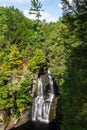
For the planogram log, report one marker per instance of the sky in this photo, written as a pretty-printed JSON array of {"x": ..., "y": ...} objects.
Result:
[{"x": 52, "y": 8}]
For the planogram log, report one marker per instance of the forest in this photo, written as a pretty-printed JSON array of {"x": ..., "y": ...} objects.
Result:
[{"x": 27, "y": 45}]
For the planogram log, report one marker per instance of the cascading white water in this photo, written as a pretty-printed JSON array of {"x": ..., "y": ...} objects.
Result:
[{"x": 42, "y": 104}]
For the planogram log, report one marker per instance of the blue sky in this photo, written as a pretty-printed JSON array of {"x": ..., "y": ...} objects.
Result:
[{"x": 52, "y": 8}]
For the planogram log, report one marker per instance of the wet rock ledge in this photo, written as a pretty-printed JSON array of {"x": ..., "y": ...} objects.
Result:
[{"x": 21, "y": 125}]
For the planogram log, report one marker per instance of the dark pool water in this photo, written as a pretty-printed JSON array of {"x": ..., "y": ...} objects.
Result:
[
  {"x": 38, "y": 126},
  {"x": 43, "y": 126}
]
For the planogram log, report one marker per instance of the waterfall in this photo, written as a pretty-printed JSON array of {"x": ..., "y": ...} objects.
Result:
[{"x": 42, "y": 103}]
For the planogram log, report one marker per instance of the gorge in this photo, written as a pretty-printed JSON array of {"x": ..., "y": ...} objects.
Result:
[{"x": 25, "y": 47}]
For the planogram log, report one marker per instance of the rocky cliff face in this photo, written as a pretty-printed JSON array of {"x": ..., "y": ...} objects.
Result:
[{"x": 1, "y": 121}]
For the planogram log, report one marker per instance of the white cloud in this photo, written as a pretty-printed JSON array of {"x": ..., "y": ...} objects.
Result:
[
  {"x": 48, "y": 17},
  {"x": 60, "y": 5},
  {"x": 3, "y": 5},
  {"x": 26, "y": 13},
  {"x": 70, "y": 1}
]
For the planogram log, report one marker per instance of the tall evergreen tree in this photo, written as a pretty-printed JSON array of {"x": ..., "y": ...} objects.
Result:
[{"x": 36, "y": 8}]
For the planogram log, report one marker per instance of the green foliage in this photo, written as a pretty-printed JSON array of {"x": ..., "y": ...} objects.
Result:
[
  {"x": 14, "y": 57},
  {"x": 5, "y": 99},
  {"x": 23, "y": 98},
  {"x": 13, "y": 40},
  {"x": 75, "y": 15},
  {"x": 3, "y": 27},
  {"x": 37, "y": 61},
  {"x": 56, "y": 51},
  {"x": 74, "y": 89},
  {"x": 73, "y": 95}
]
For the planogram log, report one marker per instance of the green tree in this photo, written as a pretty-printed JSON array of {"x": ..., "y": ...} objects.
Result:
[
  {"x": 75, "y": 14},
  {"x": 6, "y": 101},
  {"x": 73, "y": 97},
  {"x": 36, "y": 8},
  {"x": 15, "y": 59},
  {"x": 37, "y": 61},
  {"x": 24, "y": 99}
]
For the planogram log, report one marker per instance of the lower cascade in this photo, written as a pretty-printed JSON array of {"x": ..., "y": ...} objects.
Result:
[{"x": 42, "y": 103}]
